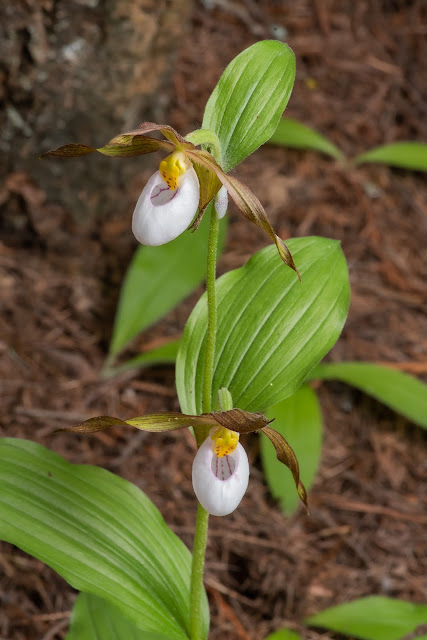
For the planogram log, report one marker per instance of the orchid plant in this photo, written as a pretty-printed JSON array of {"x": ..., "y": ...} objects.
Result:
[{"x": 249, "y": 343}]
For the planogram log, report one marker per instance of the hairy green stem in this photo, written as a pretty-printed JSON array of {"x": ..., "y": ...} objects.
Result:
[
  {"x": 212, "y": 313},
  {"x": 201, "y": 533},
  {"x": 197, "y": 567}
]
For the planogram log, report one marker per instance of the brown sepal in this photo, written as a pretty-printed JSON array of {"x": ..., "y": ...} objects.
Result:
[
  {"x": 286, "y": 455},
  {"x": 133, "y": 143},
  {"x": 169, "y": 132}
]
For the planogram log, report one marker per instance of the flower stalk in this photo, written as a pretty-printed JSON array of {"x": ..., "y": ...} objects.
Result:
[
  {"x": 212, "y": 312},
  {"x": 197, "y": 569},
  {"x": 202, "y": 520}
]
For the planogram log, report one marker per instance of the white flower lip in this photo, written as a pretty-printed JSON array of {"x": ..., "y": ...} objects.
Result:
[
  {"x": 161, "y": 215},
  {"x": 220, "y": 483}
]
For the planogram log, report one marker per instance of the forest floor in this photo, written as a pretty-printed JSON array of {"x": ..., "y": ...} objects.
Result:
[{"x": 361, "y": 80}]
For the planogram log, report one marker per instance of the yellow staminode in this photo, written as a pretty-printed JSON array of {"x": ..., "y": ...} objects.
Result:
[
  {"x": 225, "y": 441},
  {"x": 172, "y": 167}
]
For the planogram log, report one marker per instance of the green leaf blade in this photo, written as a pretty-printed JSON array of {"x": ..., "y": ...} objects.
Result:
[
  {"x": 98, "y": 531},
  {"x": 373, "y": 618},
  {"x": 294, "y": 134},
  {"x": 249, "y": 99},
  {"x": 403, "y": 155},
  {"x": 299, "y": 420},
  {"x": 272, "y": 330},
  {"x": 95, "y": 619},
  {"x": 158, "y": 279},
  {"x": 283, "y": 634},
  {"x": 399, "y": 391}
]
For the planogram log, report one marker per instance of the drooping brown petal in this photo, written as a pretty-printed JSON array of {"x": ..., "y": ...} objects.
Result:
[
  {"x": 240, "y": 421},
  {"x": 96, "y": 424},
  {"x": 246, "y": 201},
  {"x": 169, "y": 132},
  {"x": 286, "y": 455},
  {"x": 128, "y": 144},
  {"x": 171, "y": 421},
  {"x": 125, "y": 145}
]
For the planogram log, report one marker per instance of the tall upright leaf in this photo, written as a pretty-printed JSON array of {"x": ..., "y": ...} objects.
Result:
[
  {"x": 99, "y": 532},
  {"x": 249, "y": 99},
  {"x": 272, "y": 329},
  {"x": 299, "y": 420}
]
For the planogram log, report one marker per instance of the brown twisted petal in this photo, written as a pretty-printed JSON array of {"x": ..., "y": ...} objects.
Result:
[
  {"x": 128, "y": 144},
  {"x": 246, "y": 201},
  {"x": 235, "y": 420},
  {"x": 168, "y": 421},
  {"x": 169, "y": 132},
  {"x": 286, "y": 455}
]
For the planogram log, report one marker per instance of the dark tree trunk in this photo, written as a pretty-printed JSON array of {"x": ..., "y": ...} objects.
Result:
[{"x": 83, "y": 71}]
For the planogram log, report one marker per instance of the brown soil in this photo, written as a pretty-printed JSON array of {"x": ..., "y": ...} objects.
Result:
[{"x": 361, "y": 80}]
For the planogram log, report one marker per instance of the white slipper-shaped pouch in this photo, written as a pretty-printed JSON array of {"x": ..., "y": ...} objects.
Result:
[
  {"x": 162, "y": 214},
  {"x": 220, "y": 482}
]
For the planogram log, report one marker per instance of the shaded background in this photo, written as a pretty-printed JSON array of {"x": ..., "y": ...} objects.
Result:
[{"x": 83, "y": 70}]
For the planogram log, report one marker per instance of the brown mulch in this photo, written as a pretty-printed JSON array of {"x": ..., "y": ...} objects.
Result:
[{"x": 361, "y": 80}]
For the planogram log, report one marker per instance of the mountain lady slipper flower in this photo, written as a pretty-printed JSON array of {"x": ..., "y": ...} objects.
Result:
[
  {"x": 187, "y": 180},
  {"x": 220, "y": 472},
  {"x": 220, "y": 467},
  {"x": 168, "y": 202}
]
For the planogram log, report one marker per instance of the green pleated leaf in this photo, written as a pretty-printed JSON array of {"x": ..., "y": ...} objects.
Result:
[
  {"x": 373, "y": 618},
  {"x": 272, "y": 329},
  {"x": 158, "y": 278},
  {"x": 405, "y": 155},
  {"x": 99, "y": 532},
  {"x": 249, "y": 99},
  {"x": 165, "y": 354},
  {"x": 299, "y": 420},
  {"x": 95, "y": 619},
  {"x": 283, "y": 634},
  {"x": 294, "y": 134},
  {"x": 399, "y": 391}
]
